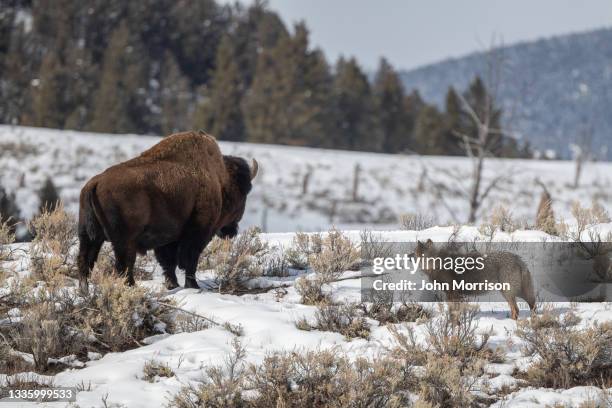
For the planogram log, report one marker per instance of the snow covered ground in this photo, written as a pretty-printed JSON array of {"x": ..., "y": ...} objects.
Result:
[
  {"x": 389, "y": 185},
  {"x": 268, "y": 322}
]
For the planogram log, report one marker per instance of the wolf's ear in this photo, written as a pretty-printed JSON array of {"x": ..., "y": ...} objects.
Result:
[{"x": 429, "y": 243}]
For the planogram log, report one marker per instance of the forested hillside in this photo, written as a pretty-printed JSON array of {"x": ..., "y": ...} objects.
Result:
[
  {"x": 558, "y": 90},
  {"x": 158, "y": 66}
]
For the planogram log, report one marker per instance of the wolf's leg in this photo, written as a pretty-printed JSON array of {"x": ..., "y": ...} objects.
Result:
[
  {"x": 514, "y": 310},
  {"x": 167, "y": 257}
]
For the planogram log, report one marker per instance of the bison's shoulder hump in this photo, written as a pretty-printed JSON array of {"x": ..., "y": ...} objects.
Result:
[{"x": 187, "y": 147}]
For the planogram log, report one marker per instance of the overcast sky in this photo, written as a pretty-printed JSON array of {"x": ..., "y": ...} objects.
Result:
[{"x": 416, "y": 32}]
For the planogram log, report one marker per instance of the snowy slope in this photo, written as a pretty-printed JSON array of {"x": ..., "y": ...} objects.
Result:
[
  {"x": 389, "y": 185},
  {"x": 269, "y": 325}
]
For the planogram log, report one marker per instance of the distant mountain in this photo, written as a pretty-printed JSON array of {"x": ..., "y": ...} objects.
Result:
[{"x": 553, "y": 90}]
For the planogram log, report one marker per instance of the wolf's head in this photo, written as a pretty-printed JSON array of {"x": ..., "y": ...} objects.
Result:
[{"x": 425, "y": 249}]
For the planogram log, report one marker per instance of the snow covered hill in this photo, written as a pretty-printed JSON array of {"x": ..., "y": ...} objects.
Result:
[{"x": 311, "y": 189}]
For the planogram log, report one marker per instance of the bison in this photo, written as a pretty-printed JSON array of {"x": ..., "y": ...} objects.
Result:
[{"x": 173, "y": 198}]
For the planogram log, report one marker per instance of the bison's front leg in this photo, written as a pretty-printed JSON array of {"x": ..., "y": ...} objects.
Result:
[
  {"x": 167, "y": 258},
  {"x": 190, "y": 247}
]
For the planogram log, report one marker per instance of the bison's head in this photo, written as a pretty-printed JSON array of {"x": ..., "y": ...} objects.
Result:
[{"x": 235, "y": 194}]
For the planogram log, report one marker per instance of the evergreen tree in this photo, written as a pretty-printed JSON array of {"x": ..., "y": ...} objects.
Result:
[
  {"x": 48, "y": 196},
  {"x": 8, "y": 207},
  {"x": 389, "y": 95},
  {"x": 456, "y": 123},
  {"x": 175, "y": 97},
  {"x": 219, "y": 111},
  {"x": 355, "y": 113},
  {"x": 429, "y": 131},
  {"x": 48, "y": 105},
  {"x": 119, "y": 104},
  {"x": 288, "y": 97}
]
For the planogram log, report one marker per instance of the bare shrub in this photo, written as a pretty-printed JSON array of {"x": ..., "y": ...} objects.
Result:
[
  {"x": 54, "y": 234},
  {"x": 385, "y": 310},
  {"x": 189, "y": 323},
  {"x": 220, "y": 387},
  {"x": 24, "y": 381},
  {"x": 153, "y": 370},
  {"x": 302, "y": 248},
  {"x": 311, "y": 379},
  {"x": 346, "y": 319},
  {"x": 276, "y": 263},
  {"x": 545, "y": 216},
  {"x": 500, "y": 219},
  {"x": 312, "y": 290},
  {"x": 568, "y": 356},
  {"x": 373, "y": 246},
  {"x": 235, "y": 261},
  {"x": 338, "y": 254},
  {"x": 416, "y": 222},
  {"x": 447, "y": 384},
  {"x": 7, "y": 237},
  {"x": 454, "y": 334},
  {"x": 118, "y": 316},
  {"x": 325, "y": 379}
]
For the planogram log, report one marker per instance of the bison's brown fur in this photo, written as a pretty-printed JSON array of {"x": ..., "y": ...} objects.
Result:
[{"x": 173, "y": 198}]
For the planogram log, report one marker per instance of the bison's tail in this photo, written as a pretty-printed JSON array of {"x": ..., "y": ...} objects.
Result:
[{"x": 95, "y": 219}]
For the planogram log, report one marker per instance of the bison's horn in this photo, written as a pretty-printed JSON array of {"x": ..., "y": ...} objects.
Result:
[{"x": 254, "y": 169}]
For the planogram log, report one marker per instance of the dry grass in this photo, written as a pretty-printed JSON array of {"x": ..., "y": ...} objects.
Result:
[
  {"x": 154, "y": 370},
  {"x": 7, "y": 237},
  {"x": 416, "y": 222},
  {"x": 567, "y": 355},
  {"x": 500, "y": 219}
]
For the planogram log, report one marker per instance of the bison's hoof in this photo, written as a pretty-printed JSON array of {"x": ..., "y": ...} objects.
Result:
[
  {"x": 190, "y": 283},
  {"x": 171, "y": 284}
]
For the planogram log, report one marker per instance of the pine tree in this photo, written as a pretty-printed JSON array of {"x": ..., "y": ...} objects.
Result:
[
  {"x": 48, "y": 104},
  {"x": 48, "y": 197},
  {"x": 389, "y": 95},
  {"x": 429, "y": 131},
  {"x": 175, "y": 97},
  {"x": 456, "y": 124},
  {"x": 220, "y": 112},
  {"x": 9, "y": 211},
  {"x": 355, "y": 112},
  {"x": 119, "y": 105},
  {"x": 287, "y": 102}
]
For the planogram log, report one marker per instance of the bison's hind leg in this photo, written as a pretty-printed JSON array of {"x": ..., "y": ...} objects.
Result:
[
  {"x": 167, "y": 257},
  {"x": 88, "y": 254},
  {"x": 125, "y": 258}
]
